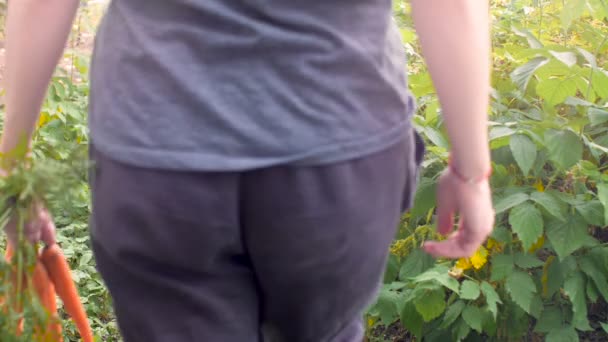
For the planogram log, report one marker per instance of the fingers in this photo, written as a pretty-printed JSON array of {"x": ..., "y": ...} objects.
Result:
[{"x": 47, "y": 232}]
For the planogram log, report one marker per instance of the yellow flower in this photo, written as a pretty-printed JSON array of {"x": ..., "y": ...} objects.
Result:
[
  {"x": 370, "y": 322},
  {"x": 537, "y": 245},
  {"x": 44, "y": 118},
  {"x": 539, "y": 185},
  {"x": 480, "y": 258},
  {"x": 494, "y": 246},
  {"x": 463, "y": 264}
]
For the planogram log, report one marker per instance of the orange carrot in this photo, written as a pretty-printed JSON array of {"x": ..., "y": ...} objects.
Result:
[
  {"x": 46, "y": 293},
  {"x": 60, "y": 274}
]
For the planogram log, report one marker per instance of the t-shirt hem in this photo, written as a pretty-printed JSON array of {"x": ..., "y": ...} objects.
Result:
[{"x": 206, "y": 162}]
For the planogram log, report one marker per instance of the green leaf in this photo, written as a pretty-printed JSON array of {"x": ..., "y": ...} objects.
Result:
[
  {"x": 532, "y": 40},
  {"x": 592, "y": 293},
  {"x": 589, "y": 57},
  {"x": 527, "y": 222},
  {"x": 604, "y": 326},
  {"x": 551, "y": 319},
  {"x": 439, "y": 274},
  {"x": 568, "y": 236},
  {"x": 469, "y": 290},
  {"x": 411, "y": 319},
  {"x": 549, "y": 202},
  {"x": 415, "y": 263},
  {"x": 589, "y": 266},
  {"x": 452, "y": 313},
  {"x": 574, "y": 287},
  {"x": 602, "y": 194},
  {"x": 501, "y": 234},
  {"x": 521, "y": 288},
  {"x": 597, "y": 116},
  {"x": 522, "y": 75},
  {"x": 462, "y": 330},
  {"x": 430, "y": 304},
  {"x": 425, "y": 197},
  {"x": 556, "y": 91},
  {"x": 474, "y": 317},
  {"x": 502, "y": 266},
  {"x": 524, "y": 152},
  {"x": 573, "y": 9},
  {"x": 527, "y": 261},
  {"x": 506, "y": 203},
  {"x": 392, "y": 269},
  {"x": 564, "y": 334},
  {"x": 492, "y": 298},
  {"x": 599, "y": 82},
  {"x": 592, "y": 211},
  {"x": 565, "y": 147},
  {"x": 566, "y": 57},
  {"x": 386, "y": 306}
]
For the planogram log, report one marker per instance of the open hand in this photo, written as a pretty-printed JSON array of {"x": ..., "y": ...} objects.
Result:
[{"x": 473, "y": 204}]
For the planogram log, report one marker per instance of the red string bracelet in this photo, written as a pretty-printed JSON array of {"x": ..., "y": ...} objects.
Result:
[{"x": 465, "y": 179}]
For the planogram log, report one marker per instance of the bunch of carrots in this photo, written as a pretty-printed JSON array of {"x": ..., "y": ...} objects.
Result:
[
  {"x": 31, "y": 278},
  {"x": 50, "y": 277}
]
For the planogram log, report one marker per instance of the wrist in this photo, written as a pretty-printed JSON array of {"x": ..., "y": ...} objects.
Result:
[{"x": 471, "y": 175}]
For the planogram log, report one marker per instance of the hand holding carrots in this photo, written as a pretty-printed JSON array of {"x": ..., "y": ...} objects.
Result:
[{"x": 39, "y": 228}]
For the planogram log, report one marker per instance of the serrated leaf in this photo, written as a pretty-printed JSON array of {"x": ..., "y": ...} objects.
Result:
[
  {"x": 568, "y": 236},
  {"x": 589, "y": 267},
  {"x": 502, "y": 266},
  {"x": 440, "y": 275},
  {"x": 566, "y": 57},
  {"x": 551, "y": 319},
  {"x": 386, "y": 306},
  {"x": 473, "y": 316},
  {"x": 592, "y": 211},
  {"x": 597, "y": 116},
  {"x": 521, "y": 288},
  {"x": 391, "y": 270},
  {"x": 564, "y": 334},
  {"x": 415, "y": 263},
  {"x": 599, "y": 82},
  {"x": 532, "y": 40},
  {"x": 430, "y": 304},
  {"x": 592, "y": 293},
  {"x": 469, "y": 290},
  {"x": 508, "y": 202},
  {"x": 565, "y": 147},
  {"x": 556, "y": 91},
  {"x": 452, "y": 313},
  {"x": 425, "y": 197},
  {"x": 462, "y": 330},
  {"x": 527, "y": 261},
  {"x": 602, "y": 194},
  {"x": 549, "y": 202},
  {"x": 492, "y": 298},
  {"x": 524, "y": 152},
  {"x": 527, "y": 222},
  {"x": 521, "y": 76},
  {"x": 411, "y": 319},
  {"x": 501, "y": 234},
  {"x": 589, "y": 57},
  {"x": 574, "y": 287}
]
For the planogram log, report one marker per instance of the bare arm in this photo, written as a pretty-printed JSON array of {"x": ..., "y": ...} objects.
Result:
[
  {"x": 36, "y": 32},
  {"x": 455, "y": 39}
]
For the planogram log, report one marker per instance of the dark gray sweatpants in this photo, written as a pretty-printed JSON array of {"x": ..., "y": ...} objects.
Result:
[{"x": 190, "y": 256}]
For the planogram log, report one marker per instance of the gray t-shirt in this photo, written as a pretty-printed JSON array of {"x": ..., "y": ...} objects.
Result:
[{"x": 222, "y": 85}]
